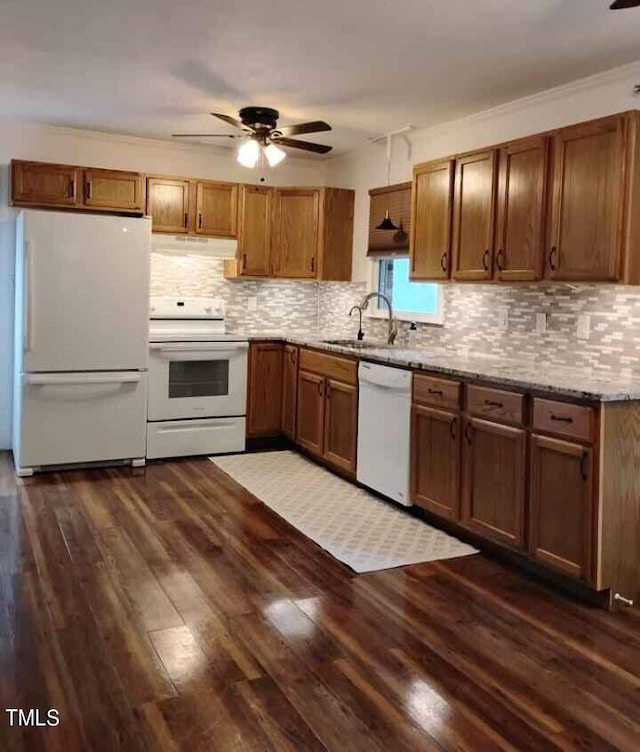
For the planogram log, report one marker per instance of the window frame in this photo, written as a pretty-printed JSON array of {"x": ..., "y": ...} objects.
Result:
[{"x": 375, "y": 312}]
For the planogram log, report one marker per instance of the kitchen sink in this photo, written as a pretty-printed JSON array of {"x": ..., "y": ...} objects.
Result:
[{"x": 358, "y": 344}]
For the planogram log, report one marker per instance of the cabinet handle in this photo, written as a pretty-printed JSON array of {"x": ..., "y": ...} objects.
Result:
[
  {"x": 443, "y": 262},
  {"x": 327, "y": 391},
  {"x": 294, "y": 356},
  {"x": 499, "y": 264},
  {"x": 313, "y": 263},
  {"x": 485, "y": 260},
  {"x": 320, "y": 388},
  {"x": 72, "y": 188},
  {"x": 186, "y": 219},
  {"x": 491, "y": 403},
  {"x": 583, "y": 471},
  {"x": 468, "y": 433},
  {"x": 88, "y": 189},
  {"x": 561, "y": 419},
  {"x": 621, "y": 599},
  {"x": 553, "y": 257},
  {"x": 436, "y": 391},
  {"x": 244, "y": 261},
  {"x": 452, "y": 428},
  {"x": 200, "y": 221}
]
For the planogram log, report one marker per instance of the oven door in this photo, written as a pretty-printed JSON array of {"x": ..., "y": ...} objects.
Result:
[{"x": 197, "y": 380}]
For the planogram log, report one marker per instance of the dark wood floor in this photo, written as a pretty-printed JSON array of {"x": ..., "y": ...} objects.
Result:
[{"x": 166, "y": 609}]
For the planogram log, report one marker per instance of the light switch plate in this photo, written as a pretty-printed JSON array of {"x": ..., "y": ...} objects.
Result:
[
  {"x": 252, "y": 303},
  {"x": 503, "y": 318},
  {"x": 584, "y": 326},
  {"x": 541, "y": 323}
]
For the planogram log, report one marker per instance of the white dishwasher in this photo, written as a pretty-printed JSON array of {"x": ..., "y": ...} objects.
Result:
[{"x": 384, "y": 425}]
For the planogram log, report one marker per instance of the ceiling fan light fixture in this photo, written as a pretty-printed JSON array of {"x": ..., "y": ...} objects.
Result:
[
  {"x": 249, "y": 153},
  {"x": 274, "y": 154},
  {"x": 624, "y": 4},
  {"x": 386, "y": 223}
]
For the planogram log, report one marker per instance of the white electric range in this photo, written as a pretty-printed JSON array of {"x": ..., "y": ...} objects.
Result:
[{"x": 197, "y": 379}]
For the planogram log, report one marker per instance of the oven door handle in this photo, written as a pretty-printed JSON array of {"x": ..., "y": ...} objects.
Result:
[{"x": 213, "y": 347}]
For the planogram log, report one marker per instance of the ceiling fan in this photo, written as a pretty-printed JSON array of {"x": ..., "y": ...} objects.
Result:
[
  {"x": 622, "y": 4},
  {"x": 261, "y": 135}
]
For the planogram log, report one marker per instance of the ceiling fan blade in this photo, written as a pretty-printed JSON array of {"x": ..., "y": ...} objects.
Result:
[
  {"x": 205, "y": 135},
  {"x": 316, "y": 126},
  {"x": 295, "y": 143},
  {"x": 622, "y": 4},
  {"x": 229, "y": 120}
]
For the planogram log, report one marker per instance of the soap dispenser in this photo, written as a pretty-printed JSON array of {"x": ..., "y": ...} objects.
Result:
[{"x": 412, "y": 335}]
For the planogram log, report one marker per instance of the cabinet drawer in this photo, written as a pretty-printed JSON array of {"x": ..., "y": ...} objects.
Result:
[
  {"x": 496, "y": 405},
  {"x": 332, "y": 366},
  {"x": 572, "y": 421},
  {"x": 429, "y": 390}
]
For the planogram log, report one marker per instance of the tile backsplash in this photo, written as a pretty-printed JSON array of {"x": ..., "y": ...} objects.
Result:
[{"x": 471, "y": 314}]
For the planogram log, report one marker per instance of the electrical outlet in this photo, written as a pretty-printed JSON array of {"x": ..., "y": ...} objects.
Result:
[
  {"x": 503, "y": 318},
  {"x": 252, "y": 303},
  {"x": 584, "y": 326},
  {"x": 541, "y": 323}
]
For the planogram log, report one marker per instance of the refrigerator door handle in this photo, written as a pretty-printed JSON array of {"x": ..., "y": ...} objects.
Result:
[
  {"x": 28, "y": 299},
  {"x": 63, "y": 379}
]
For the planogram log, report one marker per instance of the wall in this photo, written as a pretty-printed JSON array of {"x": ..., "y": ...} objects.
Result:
[
  {"x": 68, "y": 145},
  {"x": 471, "y": 310}
]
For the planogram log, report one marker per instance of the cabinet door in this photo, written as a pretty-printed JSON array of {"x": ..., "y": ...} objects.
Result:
[
  {"x": 561, "y": 508},
  {"x": 431, "y": 207},
  {"x": 114, "y": 189},
  {"x": 521, "y": 209},
  {"x": 217, "y": 209},
  {"x": 586, "y": 210},
  {"x": 494, "y": 481},
  {"x": 168, "y": 205},
  {"x": 341, "y": 425},
  {"x": 473, "y": 216},
  {"x": 289, "y": 390},
  {"x": 254, "y": 230},
  {"x": 264, "y": 398},
  {"x": 295, "y": 232},
  {"x": 41, "y": 184},
  {"x": 435, "y": 461},
  {"x": 310, "y": 416}
]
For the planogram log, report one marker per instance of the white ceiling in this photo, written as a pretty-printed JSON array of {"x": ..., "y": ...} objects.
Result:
[{"x": 153, "y": 67}]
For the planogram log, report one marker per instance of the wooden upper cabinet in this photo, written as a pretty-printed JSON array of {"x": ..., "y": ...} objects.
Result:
[
  {"x": 522, "y": 183},
  {"x": 216, "y": 209},
  {"x": 435, "y": 461},
  {"x": 43, "y": 184},
  {"x": 494, "y": 482},
  {"x": 168, "y": 205},
  {"x": 264, "y": 394},
  {"x": 473, "y": 216},
  {"x": 341, "y": 425},
  {"x": 295, "y": 232},
  {"x": 289, "y": 391},
  {"x": 562, "y": 492},
  {"x": 254, "y": 230},
  {"x": 114, "y": 189},
  {"x": 336, "y": 234},
  {"x": 431, "y": 210},
  {"x": 310, "y": 416},
  {"x": 585, "y": 238}
]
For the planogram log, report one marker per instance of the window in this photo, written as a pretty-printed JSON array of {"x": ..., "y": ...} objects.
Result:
[{"x": 411, "y": 301}]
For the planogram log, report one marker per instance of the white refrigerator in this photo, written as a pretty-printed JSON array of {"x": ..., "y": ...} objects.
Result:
[{"x": 81, "y": 339}]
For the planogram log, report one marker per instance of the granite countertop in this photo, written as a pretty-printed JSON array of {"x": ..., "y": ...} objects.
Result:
[{"x": 577, "y": 383}]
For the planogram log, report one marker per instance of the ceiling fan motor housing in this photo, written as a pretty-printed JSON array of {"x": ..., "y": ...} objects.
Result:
[{"x": 259, "y": 118}]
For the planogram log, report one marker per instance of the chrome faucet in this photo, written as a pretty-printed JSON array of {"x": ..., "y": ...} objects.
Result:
[
  {"x": 393, "y": 330},
  {"x": 359, "y": 310}
]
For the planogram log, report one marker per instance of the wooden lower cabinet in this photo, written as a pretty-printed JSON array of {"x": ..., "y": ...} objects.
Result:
[
  {"x": 561, "y": 505},
  {"x": 494, "y": 481},
  {"x": 435, "y": 461},
  {"x": 264, "y": 394},
  {"x": 310, "y": 417},
  {"x": 341, "y": 425},
  {"x": 289, "y": 391}
]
